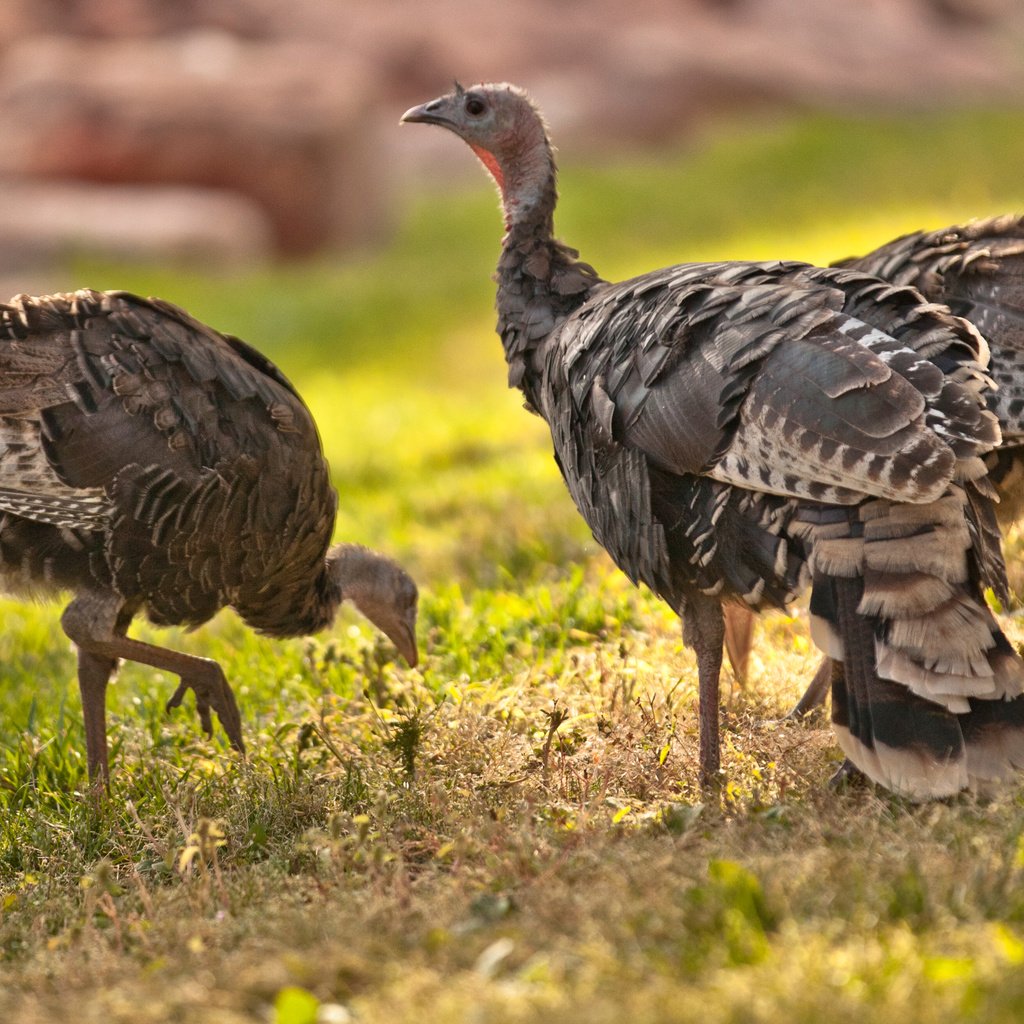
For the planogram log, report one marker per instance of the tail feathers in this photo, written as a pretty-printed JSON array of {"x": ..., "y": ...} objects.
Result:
[
  {"x": 994, "y": 738},
  {"x": 928, "y": 698},
  {"x": 951, "y": 689},
  {"x": 921, "y": 750},
  {"x": 919, "y": 569},
  {"x": 922, "y": 570},
  {"x": 899, "y": 740},
  {"x": 916, "y": 592}
]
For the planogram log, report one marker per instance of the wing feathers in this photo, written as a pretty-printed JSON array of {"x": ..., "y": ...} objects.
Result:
[{"x": 756, "y": 376}]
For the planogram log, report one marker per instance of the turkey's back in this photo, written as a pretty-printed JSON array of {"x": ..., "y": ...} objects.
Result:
[
  {"x": 145, "y": 452},
  {"x": 692, "y": 409},
  {"x": 977, "y": 270}
]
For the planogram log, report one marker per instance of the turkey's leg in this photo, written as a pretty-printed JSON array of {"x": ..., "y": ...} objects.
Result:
[
  {"x": 704, "y": 631},
  {"x": 739, "y": 632},
  {"x": 814, "y": 695},
  {"x": 739, "y": 639},
  {"x": 91, "y": 620},
  {"x": 94, "y": 674}
]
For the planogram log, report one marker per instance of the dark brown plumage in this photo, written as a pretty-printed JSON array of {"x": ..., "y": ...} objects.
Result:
[
  {"x": 150, "y": 464},
  {"x": 977, "y": 271},
  {"x": 733, "y": 431}
]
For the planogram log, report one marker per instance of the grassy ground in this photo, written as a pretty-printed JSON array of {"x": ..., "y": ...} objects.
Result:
[{"x": 513, "y": 831}]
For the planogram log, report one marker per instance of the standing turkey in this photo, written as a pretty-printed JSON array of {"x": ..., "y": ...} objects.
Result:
[
  {"x": 150, "y": 464},
  {"x": 733, "y": 431},
  {"x": 977, "y": 271}
]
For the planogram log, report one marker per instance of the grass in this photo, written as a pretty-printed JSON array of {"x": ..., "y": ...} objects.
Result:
[{"x": 512, "y": 832}]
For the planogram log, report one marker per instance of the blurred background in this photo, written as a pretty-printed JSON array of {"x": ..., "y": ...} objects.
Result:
[
  {"x": 240, "y": 131},
  {"x": 243, "y": 159}
]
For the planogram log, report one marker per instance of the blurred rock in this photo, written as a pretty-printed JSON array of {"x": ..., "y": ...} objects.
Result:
[
  {"x": 112, "y": 19},
  {"x": 268, "y": 121},
  {"x": 44, "y": 222},
  {"x": 980, "y": 12},
  {"x": 294, "y": 106}
]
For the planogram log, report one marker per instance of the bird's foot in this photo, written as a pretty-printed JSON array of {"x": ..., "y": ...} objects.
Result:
[
  {"x": 848, "y": 776},
  {"x": 213, "y": 692},
  {"x": 800, "y": 714}
]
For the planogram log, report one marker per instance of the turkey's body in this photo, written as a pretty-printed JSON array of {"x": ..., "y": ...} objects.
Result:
[
  {"x": 137, "y": 455},
  {"x": 727, "y": 454},
  {"x": 731, "y": 432},
  {"x": 150, "y": 464}
]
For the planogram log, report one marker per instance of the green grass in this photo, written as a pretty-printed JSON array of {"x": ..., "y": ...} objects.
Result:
[{"x": 513, "y": 832}]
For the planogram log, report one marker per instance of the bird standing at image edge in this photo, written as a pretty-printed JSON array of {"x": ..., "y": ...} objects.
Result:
[
  {"x": 737, "y": 431},
  {"x": 151, "y": 464},
  {"x": 977, "y": 270}
]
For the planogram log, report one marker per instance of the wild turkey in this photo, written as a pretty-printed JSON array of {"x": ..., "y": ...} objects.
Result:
[
  {"x": 150, "y": 464},
  {"x": 733, "y": 431},
  {"x": 977, "y": 271}
]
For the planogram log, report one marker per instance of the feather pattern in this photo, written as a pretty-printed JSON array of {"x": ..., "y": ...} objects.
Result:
[
  {"x": 132, "y": 421},
  {"x": 977, "y": 270}
]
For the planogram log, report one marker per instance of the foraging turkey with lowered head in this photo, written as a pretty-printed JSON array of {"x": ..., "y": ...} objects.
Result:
[
  {"x": 151, "y": 464},
  {"x": 977, "y": 271},
  {"x": 735, "y": 431}
]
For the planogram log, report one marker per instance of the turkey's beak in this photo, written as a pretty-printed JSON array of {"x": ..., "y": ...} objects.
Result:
[
  {"x": 434, "y": 112},
  {"x": 403, "y": 636}
]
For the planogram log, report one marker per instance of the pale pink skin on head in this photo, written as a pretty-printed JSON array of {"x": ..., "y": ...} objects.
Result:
[{"x": 509, "y": 139}]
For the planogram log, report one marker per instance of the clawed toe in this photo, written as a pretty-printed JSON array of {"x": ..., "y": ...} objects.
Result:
[
  {"x": 230, "y": 717},
  {"x": 847, "y": 776},
  {"x": 218, "y": 695},
  {"x": 174, "y": 701}
]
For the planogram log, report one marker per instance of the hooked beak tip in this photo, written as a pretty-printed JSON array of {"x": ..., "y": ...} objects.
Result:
[
  {"x": 411, "y": 116},
  {"x": 423, "y": 115},
  {"x": 405, "y": 641}
]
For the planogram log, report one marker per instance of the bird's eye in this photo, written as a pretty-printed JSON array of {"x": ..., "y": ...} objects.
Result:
[{"x": 474, "y": 106}]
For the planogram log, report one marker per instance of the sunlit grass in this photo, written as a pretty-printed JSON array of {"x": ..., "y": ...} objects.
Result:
[{"x": 513, "y": 831}]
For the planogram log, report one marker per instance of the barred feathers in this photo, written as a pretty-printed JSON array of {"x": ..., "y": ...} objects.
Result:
[{"x": 159, "y": 459}]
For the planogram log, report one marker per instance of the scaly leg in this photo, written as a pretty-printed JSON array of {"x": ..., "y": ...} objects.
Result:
[
  {"x": 94, "y": 674},
  {"x": 815, "y": 694},
  {"x": 91, "y": 622},
  {"x": 704, "y": 631}
]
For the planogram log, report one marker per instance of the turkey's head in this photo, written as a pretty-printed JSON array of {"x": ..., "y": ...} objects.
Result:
[
  {"x": 500, "y": 123},
  {"x": 382, "y": 591}
]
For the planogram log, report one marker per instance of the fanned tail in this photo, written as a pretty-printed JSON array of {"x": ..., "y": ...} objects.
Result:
[{"x": 928, "y": 701}]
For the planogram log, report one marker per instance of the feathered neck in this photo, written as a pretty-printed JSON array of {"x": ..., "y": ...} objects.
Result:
[{"x": 540, "y": 280}]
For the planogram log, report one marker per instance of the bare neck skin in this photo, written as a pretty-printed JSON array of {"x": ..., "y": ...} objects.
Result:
[{"x": 540, "y": 280}]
